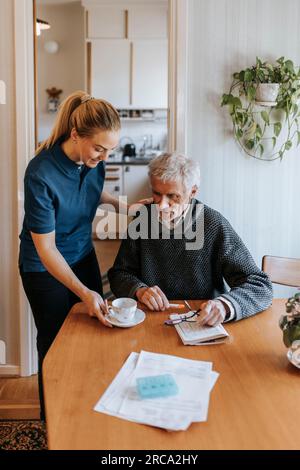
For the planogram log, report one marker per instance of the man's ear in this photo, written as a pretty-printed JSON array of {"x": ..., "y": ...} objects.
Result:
[{"x": 194, "y": 191}]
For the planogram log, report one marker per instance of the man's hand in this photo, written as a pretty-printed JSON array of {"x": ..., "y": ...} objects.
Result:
[
  {"x": 212, "y": 313},
  {"x": 153, "y": 298}
]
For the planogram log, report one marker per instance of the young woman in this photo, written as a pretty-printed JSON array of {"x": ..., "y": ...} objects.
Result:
[{"x": 63, "y": 188}]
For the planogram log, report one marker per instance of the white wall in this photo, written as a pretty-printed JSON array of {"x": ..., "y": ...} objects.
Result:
[
  {"x": 260, "y": 199},
  {"x": 9, "y": 309},
  {"x": 65, "y": 69}
]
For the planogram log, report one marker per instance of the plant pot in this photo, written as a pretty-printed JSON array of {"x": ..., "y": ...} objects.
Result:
[
  {"x": 293, "y": 354},
  {"x": 267, "y": 92}
]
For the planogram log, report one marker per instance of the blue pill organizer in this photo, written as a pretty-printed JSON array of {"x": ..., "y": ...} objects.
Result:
[{"x": 156, "y": 386}]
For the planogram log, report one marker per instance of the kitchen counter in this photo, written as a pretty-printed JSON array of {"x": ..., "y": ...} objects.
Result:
[
  {"x": 117, "y": 159},
  {"x": 129, "y": 161}
]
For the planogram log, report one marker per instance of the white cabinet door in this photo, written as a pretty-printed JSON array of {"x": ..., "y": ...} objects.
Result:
[
  {"x": 106, "y": 22},
  {"x": 135, "y": 182},
  {"x": 110, "y": 71},
  {"x": 150, "y": 73},
  {"x": 107, "y": 223},
  {"x": 148, "y": 22}
]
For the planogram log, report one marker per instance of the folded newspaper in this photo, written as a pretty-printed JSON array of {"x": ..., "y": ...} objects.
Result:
[
  {"x": 194, "y": 382},
  {"x": 194, "y": 334}
]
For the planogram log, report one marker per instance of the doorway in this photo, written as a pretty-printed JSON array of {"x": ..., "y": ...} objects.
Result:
[
  {"x": 177, "y": 63},
  {"x": 111, "y": 52}
]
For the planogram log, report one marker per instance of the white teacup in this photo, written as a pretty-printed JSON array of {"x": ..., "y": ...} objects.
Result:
[{"x": 123, "y": 309}]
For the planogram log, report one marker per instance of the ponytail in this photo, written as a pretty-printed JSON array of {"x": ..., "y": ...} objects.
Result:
[{"x": 84, "y": 113}]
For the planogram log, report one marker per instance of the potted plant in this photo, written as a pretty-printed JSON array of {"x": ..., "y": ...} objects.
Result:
[
  {"x": 290, "y": 325},
  {"x": 260, "y": 99}
]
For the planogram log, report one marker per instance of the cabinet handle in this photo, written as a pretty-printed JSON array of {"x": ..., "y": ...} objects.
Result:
[
  {"x": 89, "y": 61},
  {"x": 126, "y": 24},
  {"x": 112, "y": 178},
  {"x": 131, "y": 73},
  {"x": 127, "y": 169},
  {"x": 110, "y": 169}
]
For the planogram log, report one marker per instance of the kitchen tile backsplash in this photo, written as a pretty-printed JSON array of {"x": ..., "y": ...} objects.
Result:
[
  {"x": 146, "y": 134},
  {"x": 143, "y": 133}
]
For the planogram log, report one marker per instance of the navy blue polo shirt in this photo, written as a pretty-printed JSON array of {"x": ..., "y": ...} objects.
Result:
[{"x": 63, "y": 196}]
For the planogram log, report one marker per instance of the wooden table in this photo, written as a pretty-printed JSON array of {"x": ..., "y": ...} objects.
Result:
[{"x": 255, "y": 403}]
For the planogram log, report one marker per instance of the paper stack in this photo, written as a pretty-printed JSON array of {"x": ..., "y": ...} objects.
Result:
[{"x": 195, "y": 380}]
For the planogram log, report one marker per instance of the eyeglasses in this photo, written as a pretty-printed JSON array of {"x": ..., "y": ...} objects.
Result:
[{"x": 182, "y": 318}]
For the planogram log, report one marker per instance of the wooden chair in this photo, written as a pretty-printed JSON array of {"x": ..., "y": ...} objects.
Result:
[{"x": 285, "y": 271}]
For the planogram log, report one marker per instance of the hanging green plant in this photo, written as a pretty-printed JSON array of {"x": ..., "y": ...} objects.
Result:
[{"x": 263, "y": 105}]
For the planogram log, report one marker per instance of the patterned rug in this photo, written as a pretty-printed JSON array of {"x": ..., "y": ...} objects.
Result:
[
  {"x": 31, "y": 434},
  {"x": 23, "y": 435}
]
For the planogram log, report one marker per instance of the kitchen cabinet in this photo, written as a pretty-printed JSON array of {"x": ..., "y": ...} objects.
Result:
[
  {"x": 148, "y": 21},
  {"x": 113, "y": 180},
  {"x": 126, "y": 19},
  {"x": 127, "y": 180},
  {"x": 135, "y": 182},
  {"x": 111, "y": 70},
  {"x": 127, "y": 54},
  {"x": 106, "y": 223},
  {"x": 130, "y": 73},
  {"x": 106, "y": 22},
  {"x": 150, "y": 73}
]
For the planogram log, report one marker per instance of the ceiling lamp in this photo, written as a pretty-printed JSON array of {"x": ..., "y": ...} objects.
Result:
[{"x": 40, "y": 25}]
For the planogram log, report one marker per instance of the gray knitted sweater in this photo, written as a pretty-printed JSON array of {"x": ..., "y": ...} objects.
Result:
[{"x": 194, "y": 274}]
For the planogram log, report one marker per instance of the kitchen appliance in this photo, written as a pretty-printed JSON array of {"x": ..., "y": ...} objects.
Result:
[{"x": 129, "y": 150}]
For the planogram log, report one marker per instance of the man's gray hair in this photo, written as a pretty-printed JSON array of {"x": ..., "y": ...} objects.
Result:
[{"x": 175, "y": 167}]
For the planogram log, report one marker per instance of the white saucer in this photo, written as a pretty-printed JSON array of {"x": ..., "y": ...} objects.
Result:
[{"x": 139, "y": 317}]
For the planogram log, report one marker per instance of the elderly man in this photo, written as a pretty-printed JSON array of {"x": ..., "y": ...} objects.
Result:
[{"x": 154, "y": 269}]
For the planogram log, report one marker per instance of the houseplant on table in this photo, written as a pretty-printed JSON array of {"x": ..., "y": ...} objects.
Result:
[
  {"x": 290, "y": 325},
  {"x": 258, "y": 119}
]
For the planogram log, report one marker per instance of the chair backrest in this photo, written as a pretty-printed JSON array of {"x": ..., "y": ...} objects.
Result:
[{"x": 285, "y": 271}]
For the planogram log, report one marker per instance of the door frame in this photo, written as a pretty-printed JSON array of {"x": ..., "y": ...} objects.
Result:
[
  {"x": 25, "y": 148},
  {"x": 26, "y": 99},
  {"x": 178, "y": 74}
]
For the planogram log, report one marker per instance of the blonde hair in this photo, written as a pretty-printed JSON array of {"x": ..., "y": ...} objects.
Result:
[{"x": 84, "y": 113}]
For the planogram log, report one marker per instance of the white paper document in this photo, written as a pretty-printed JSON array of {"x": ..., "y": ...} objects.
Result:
[{"x": 195, "y": 380}]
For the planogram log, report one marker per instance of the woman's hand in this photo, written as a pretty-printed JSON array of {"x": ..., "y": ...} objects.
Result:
[
  {"x": 153, "y": 298},
  {"x": 133, "y": 208},
  {"x": 95, "y": 306}
]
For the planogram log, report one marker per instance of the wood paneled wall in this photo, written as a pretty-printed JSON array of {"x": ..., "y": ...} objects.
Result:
[{"x": 260, "y": 199}]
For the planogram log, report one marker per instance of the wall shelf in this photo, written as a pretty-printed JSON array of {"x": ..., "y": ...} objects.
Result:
[
  {"x": 139, "y": 119},
  {"x": 137, "y": 114}
]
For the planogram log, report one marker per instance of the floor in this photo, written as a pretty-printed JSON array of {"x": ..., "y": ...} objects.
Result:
[{"x": 19, "y": 396}]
